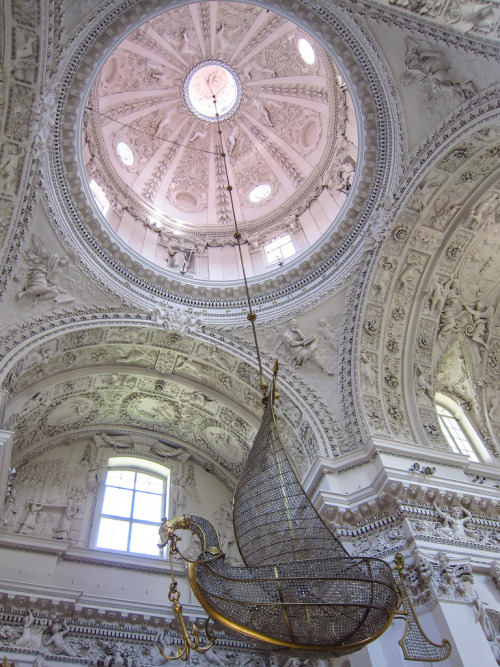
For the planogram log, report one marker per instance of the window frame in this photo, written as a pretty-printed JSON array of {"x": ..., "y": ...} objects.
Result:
[
  {"x": 277, "y": 247},
  {"x": 141, "y": 466}
]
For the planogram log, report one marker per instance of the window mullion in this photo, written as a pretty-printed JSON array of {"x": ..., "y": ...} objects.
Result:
[{"x": 131, "y": 513}]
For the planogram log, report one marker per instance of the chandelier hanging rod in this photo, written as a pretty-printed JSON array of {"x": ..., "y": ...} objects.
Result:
[{"x": 237, "y": 235}]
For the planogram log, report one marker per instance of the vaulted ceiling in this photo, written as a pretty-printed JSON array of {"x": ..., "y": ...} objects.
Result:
[{"x": 382, "y": 158}]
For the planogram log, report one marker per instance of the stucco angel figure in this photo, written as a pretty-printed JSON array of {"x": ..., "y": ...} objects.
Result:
[
  {"x": 29, "y": 634},
  {"x": 454, "y": 523},
  {"x": 301, "y": 348},
  {"x": 57, "y": 641},
  {"x": 44, "y": 268},
  {"x": 10, "y": 167}
]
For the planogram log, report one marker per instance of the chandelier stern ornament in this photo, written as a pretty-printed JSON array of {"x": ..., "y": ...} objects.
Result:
[{"x": 415, "y": 643}]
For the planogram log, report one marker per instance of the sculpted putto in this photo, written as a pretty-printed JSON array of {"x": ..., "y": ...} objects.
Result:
[{"x": 454, "y": 522}]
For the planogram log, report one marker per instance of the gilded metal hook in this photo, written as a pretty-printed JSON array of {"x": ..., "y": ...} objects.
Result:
[{"x": 190, "y": 644}]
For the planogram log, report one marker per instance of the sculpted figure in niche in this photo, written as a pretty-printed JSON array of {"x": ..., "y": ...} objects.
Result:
[
  {"x": 383, "y": 280},
  {"x": 57, "y": 641},
  {"x": 368, "y": 372},
  {"x": 454, "y": 523},
  {"x": 437, "y": 297},
  {"x": 262, "y": 110},
  {"x": 346, "y": 176},
  {"x": 408, "y": 276},
  {"x": 65, "y": 523},
  {"x": 44, "y": 268},
  {"x": 449, "y": 321},
  {"x": 10, "y": 167},
  {"x": 179, "y": 495},
  {"x": 379, "y": 223},
  {"x": 233, "y": 139},
  {"x": 423, "y": 385},
  {"x": 9, "y": 509},
  {"x": 180, "y": 257},
  {"x": 30, "y": 520}
]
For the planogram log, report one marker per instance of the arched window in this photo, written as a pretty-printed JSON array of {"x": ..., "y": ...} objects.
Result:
[
  {"x": 133, "y": 503},
  {"x": 458, "y": 430}
]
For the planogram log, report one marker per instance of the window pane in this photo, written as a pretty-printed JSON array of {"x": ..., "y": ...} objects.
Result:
[
  {"x": 99, "y": 196},
  {"x": 306, "y": 51},
  {"x": 288, "y": 250},
  {"x": 147, "y": 507},
  {"x": 122, "y": 478},
  {"x": 149, "y": 483},
  {"x": 117, "y": 502},
  {"x": 113, "y": 534},
  {"x": 144, "y": 539},
  {"x": 125, "y": 153},
  {"x": 459, "y": 437}
]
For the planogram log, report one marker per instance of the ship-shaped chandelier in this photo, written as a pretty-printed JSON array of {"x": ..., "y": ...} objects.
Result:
[{"x": 299, "y": 589}]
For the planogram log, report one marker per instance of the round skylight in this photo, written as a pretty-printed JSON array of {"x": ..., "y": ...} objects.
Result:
[
  {"x": 208, "y": 79},
  {"x": 306, "y": 51},
  {"x": 259, "y": 193},
  {"x": 125, "y": 153}
]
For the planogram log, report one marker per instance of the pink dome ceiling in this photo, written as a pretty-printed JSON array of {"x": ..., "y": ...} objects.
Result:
[{"x": 152, "y": 151}]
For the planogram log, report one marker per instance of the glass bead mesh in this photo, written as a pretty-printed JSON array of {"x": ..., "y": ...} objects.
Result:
[{"x": 274, "y": 522}]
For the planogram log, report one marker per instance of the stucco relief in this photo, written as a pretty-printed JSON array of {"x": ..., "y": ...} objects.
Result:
[
  {"x": 224, "y": 443},
  {"x": 43, "y": 274},
  {"x": 438, "y": 577},
  {"x": 51, "y": 497},
  {"x": 475, "y": 18},
  {"x": 122, "y": 639},
  {"x": 70, "y": 410},
  {"x": 379, "y": 543},
  {"x": 456, "y": 524},
  {"x": 297, "y": 348},
  {"x": 453, "y": 301},
  {"x": 426, "y": 63}
]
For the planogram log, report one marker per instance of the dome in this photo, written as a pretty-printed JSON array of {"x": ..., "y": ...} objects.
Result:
[{"x": 153, "y": 147}]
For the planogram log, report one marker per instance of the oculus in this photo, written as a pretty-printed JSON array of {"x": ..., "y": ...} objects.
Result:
[{"x": 208, "y": 79}]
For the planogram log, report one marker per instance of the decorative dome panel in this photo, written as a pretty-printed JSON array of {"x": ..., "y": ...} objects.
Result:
[{"x": 152, "y": 151}]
